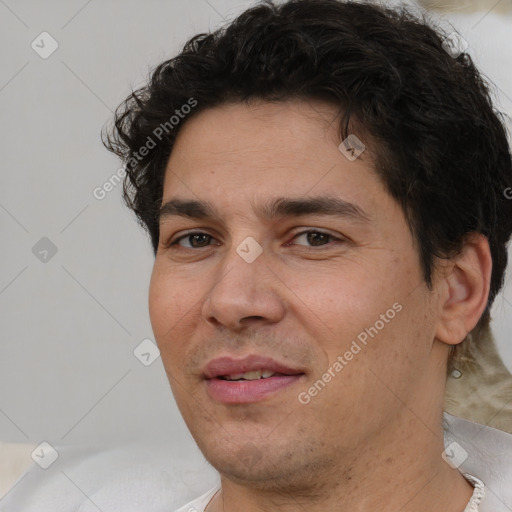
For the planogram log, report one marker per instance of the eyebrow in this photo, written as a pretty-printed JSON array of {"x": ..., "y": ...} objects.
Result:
[{"x": 275, "y": 208}]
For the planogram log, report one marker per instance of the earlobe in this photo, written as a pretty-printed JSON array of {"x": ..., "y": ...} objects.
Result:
[{"x": 466, "y": 286}]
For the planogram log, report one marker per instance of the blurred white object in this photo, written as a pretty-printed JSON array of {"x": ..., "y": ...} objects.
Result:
[
  {"x": 14, "y": 461},
  {"x": 129, "y": 478},
  {"x": 480, "y": 387},
  {"x": 467, "y": 5}
]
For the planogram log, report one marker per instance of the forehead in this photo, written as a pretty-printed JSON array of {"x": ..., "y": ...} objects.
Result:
[
  {"x": 236, "y": 155},
  {"x": 291, "y": 128}
]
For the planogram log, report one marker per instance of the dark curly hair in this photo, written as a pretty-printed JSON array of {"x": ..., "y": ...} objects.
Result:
[{"x": 438, "y": 144}]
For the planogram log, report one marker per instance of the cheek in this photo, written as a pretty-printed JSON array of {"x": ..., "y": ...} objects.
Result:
[
  {"x": 168, "y": 305},
  {"x": 164, "y": 324},
  {"x": 366, "y": 316},
  {"x": 174, "y": 308},
  {"x": 345, "y": 301},
  {"x": 157, "y": 303}
]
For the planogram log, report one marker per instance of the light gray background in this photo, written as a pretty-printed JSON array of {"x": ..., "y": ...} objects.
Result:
[{"x": 69, "y": 325}]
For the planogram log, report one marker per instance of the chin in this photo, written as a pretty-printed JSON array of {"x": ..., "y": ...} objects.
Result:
[{"x": 244, "y": 460}]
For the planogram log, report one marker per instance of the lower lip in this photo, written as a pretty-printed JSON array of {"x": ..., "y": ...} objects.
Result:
[{"x": 247, "y": 391}]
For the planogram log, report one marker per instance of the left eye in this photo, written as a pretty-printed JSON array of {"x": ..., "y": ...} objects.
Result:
[{"x": 313, "y": 237}]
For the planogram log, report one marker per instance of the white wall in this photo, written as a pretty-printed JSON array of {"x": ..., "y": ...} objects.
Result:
[{"x": 69, "y": 326}]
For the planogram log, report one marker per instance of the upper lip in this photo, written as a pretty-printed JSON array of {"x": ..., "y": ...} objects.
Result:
[{"x": 227, "y": 365}]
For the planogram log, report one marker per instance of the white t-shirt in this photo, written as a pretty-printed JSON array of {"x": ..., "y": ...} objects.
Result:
[{"x": 200, "y": 504}]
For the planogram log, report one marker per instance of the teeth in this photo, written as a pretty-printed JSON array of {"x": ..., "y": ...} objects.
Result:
[{"x": 254, "y": 375}]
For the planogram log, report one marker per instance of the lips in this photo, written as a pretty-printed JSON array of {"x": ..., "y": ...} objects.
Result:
[
  {"x": 226, "y": 366},
  {"x": 252, "y": 379}
]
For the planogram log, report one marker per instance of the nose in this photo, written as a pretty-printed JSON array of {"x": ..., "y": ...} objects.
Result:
[{"x": 245, "y": 294}]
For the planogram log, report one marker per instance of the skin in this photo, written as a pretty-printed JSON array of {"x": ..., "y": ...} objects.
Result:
[{"x": 372, "y": 439}]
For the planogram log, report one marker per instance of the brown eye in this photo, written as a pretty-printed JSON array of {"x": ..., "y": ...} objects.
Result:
[
  {"x": 196, "y": 240},
  {"x": 316, "y": 238}
]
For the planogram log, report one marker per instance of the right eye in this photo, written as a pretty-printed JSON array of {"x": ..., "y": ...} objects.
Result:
[{"x": 194, "y": 237}]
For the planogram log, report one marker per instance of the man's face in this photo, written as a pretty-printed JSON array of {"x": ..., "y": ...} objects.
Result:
[{"x": 350, "y": 292}]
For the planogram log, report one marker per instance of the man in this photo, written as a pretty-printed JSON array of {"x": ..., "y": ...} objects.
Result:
[{"x": 325, "y": 186}]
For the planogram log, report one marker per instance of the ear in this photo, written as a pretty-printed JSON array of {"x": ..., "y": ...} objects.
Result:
[{"x": 464, "y": 290}]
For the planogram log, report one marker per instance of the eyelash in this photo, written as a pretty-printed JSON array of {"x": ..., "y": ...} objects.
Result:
[{"x": 176, "y": 241}]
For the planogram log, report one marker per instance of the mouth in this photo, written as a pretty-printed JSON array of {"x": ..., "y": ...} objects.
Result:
[
  {"x": 252, "y": 375},
  {"x": 251, "y": 379}
]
